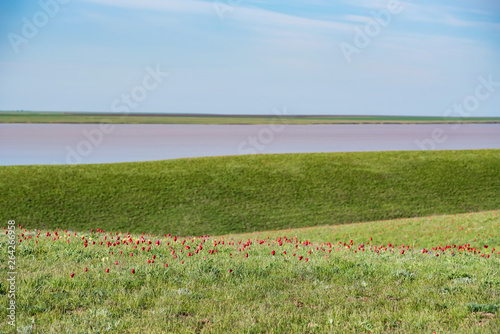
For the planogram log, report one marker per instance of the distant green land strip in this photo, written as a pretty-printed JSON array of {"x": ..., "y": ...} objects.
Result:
[
  {"x": 236, "y": 194},
  {"x": 69, "y": 118}
]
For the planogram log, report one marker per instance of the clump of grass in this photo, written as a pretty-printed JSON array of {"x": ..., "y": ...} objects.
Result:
[
  {"x": 404, "y": 274},
  {"x": 487, "y": 308}
]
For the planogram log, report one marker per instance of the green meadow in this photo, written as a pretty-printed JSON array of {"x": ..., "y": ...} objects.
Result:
[
  {"x": 371, "y": 242},
  {"x": 308, "y": 280}
]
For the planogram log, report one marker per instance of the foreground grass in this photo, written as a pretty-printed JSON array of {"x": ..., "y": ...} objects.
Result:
[
  {"x": 251, "y": 193},
  {"x": 47, "y": 117},
  {"x": 361, "y": 286}
]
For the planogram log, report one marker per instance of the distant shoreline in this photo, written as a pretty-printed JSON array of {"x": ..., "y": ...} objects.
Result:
[{"x": 156, "y": 118}]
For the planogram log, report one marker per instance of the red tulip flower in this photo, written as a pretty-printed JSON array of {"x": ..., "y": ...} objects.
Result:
[{"x": 72, "y": 274}]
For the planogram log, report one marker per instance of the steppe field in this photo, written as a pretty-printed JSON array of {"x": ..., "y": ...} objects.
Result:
[{"x": 382, "y": 242}]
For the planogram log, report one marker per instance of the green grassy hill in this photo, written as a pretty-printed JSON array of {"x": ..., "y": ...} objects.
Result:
[{"x": 250, "y": 193}]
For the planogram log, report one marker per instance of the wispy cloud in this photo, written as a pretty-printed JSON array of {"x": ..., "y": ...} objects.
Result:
[
  {"x": 242, "y": 13},
  {"x": 448, "y": 15},
  {"x": 184, "y": 6}
]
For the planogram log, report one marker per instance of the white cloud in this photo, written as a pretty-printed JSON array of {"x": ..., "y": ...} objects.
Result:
[
  {"x": 446, "y": 15},
  {"x": 184, "y": 6},
  {"x": 239, "y": 13}
]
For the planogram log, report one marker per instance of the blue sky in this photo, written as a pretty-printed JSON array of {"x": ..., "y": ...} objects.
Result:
[{"x": 249, "y": 57}]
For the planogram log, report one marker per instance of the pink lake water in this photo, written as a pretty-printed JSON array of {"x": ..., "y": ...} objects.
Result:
[{"x": 26, "y": 144}]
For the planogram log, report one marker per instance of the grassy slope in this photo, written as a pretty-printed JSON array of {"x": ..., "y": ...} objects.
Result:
[
  {"x": 33, "y": 117},
  {"x": 250, "y": 193},
  {"x": 337, "y": 292}
]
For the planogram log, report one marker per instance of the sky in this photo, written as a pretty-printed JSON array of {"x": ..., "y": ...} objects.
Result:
[{"x": 314, "y": 57}]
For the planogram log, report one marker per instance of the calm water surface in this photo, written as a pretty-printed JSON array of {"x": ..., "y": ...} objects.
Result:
[{"x": 25, "y": 144}]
